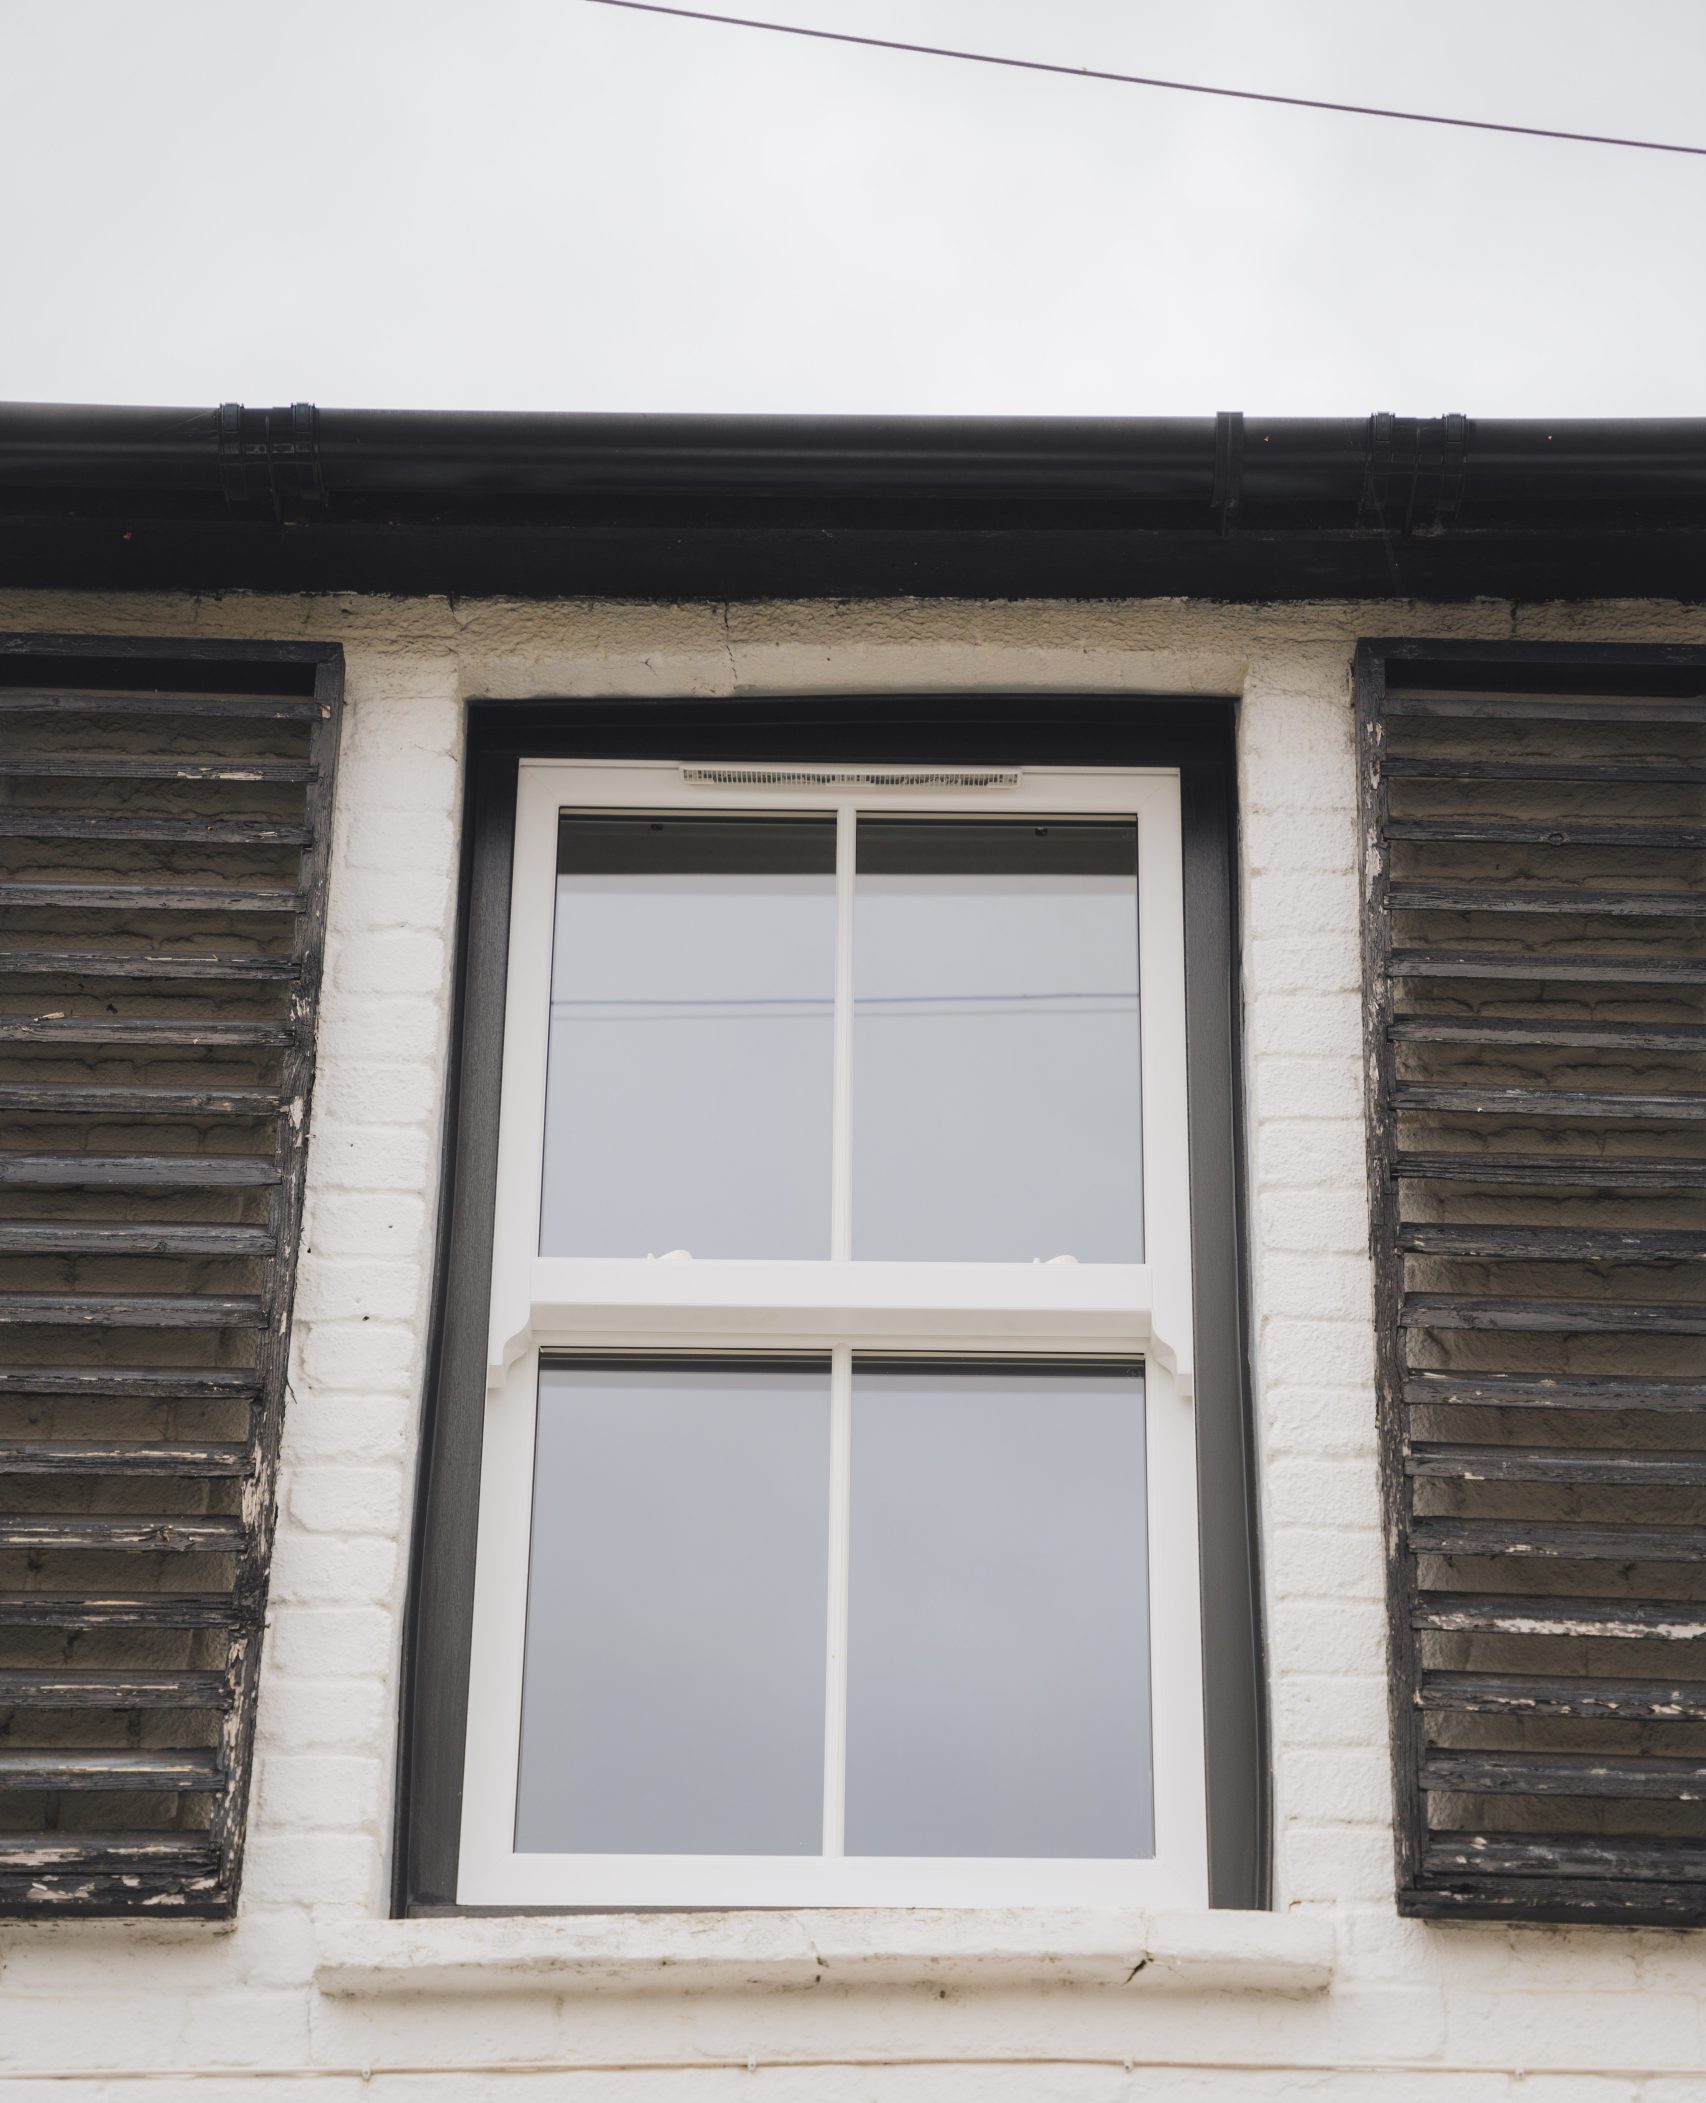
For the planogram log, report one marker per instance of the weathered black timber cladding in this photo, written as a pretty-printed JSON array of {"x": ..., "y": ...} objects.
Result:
[
  {"x": 1535, "y": 963},
  {"x": 164, "y": 832}
]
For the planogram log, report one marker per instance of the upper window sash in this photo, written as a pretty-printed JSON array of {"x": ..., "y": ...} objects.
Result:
[{"x": 611, "y": 1301}]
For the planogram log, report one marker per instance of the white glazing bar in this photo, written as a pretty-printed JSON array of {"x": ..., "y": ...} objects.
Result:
[
  {"x": 841, "y": 1108},
  {"x": 840, "y": 1538}
]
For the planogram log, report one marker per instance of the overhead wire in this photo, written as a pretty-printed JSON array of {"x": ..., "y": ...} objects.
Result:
[{"x": 1144, "y": 80}]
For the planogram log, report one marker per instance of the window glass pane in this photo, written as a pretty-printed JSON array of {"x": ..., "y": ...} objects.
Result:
[
  {"x": 996, "y": 1105},
  {"x": 673, "y": 1694},
  {"x": 692, "y": 1025},
  {"x": 998, "y": 1646}
]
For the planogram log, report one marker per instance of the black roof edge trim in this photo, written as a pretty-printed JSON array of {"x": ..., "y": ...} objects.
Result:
[
  {"x": 1229, "y": 507},
  {"x": 322, "y": 454}
]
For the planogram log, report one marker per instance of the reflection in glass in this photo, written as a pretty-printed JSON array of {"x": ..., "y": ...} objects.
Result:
[
  {"x": 998, "y": 1642},
  {"x": 996, "y": 1098},
  {"x": 692, "y": 999},
  {"x": 673, "y": 1695}
]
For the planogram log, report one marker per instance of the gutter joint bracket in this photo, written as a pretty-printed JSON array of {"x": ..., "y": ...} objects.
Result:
[{"x": 270, "y": 457}]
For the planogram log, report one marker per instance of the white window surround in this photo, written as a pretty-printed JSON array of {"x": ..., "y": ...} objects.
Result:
[
  {"x": 1138, "y": 1310},
  {"x": 998, "y": 1947}
]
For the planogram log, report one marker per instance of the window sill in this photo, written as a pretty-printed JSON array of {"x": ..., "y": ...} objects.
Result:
[{"x": 1194, "y": 1952}]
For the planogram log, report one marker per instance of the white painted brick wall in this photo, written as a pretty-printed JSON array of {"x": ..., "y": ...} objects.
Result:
[{"x": 1418, "y": 2014}]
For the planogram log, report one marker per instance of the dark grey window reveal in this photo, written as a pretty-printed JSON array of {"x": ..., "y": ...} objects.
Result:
[
  {"x": 163, "y": 875},
  {"x": 725, "y": 928},
  {"x": 1535, "y": 817}
]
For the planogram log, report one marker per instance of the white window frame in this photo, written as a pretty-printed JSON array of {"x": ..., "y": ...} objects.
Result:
[{"x": 836, "y": 1306}]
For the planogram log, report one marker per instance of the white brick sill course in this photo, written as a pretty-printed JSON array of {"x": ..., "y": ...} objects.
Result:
[{"x": 626, "y": 1952}]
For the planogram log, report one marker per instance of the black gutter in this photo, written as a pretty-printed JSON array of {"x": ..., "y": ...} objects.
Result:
[
  {"x": 1166, "y": 459},
  {"x": 549, "y": 505}
]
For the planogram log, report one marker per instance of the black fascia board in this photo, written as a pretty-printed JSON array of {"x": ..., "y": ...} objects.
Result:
[{"x": 669, "y": 507}]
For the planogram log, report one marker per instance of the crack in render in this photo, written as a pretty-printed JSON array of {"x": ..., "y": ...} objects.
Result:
[{"x": 729, "y": 652}]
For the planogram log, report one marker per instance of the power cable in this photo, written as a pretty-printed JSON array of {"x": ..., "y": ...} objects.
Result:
[{"x": 1143, "y": 80}]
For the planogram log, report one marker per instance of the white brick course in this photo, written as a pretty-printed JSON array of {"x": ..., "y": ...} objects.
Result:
[
  {"x": 1341, "y": 1561},
  {"x": 1417, "y": 2014},
  {"x": 1319, "y": 1418}
]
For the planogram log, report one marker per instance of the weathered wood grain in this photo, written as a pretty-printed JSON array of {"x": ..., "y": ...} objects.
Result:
[
  {"x": 1665, "y": 1780},
  {"x": 118, "y": 1383},
  {"x": 151, "y": 898},
  {"x": 1623, "y": 1470},
  {"x": 189, "y": 1533},
  {"x": 229, "y": 871},
  {"x": 1516, "y": 1614},
  {"x": 108, "y": 1610},
  {"x": 1645, "y": 1037},
  {"x": 1652, "y": 773},
  {"x": 1492, "y": 706},
  {"x": 1598, "y": 904},
  {"x": 1552, "y": 1244},
  {"x": 140, "y": 1171},
  {"x": 1588, "y": 1173},
  {"x": 113, "y": 1310},
  {"x": 1505, "y": 773},
  {"x": 55, "y": 766},
  {"x": 130, "y": 1238},
  {"x": 1557, "y": 967},
  {"x": 18, "y": 824},
  {"x": 149, "y": 964},
  {"x": 72, "y": 1688},
  {"x": 1589, "y": 1391},
  {"x": 174, "y": 1773},
  {"x": 100, "y": 1031},
  {"x": 1540, "y": 1694},
  {"x": 65, "y": 1099},
  {"x": 1561, "y": 1540},
  {"x": 173, "y": 1458},
  {"x": 1439, "y": 1310},
  {"x": 233, "y": 707},
  {"x": 1579, "y": 1104},
  {"x": 1579, "y": 1855},
  {"x": 1562, "y": 832}
]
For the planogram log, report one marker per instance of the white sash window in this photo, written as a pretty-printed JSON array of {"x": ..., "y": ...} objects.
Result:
[{"x": 838, "y": 1528}]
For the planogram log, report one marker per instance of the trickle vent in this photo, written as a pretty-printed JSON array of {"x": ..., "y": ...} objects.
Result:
[
  {"x": 848, "y": 778},
  {"x": 1535, "y": 832},
  {"x": 163, "y": 841}
]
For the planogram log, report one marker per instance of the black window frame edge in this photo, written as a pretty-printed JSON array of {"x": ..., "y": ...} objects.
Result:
[{"x": 1197, "y": 735}]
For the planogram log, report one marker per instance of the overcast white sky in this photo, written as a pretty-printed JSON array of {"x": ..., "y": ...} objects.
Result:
[{"x": 543, "y": 204}]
